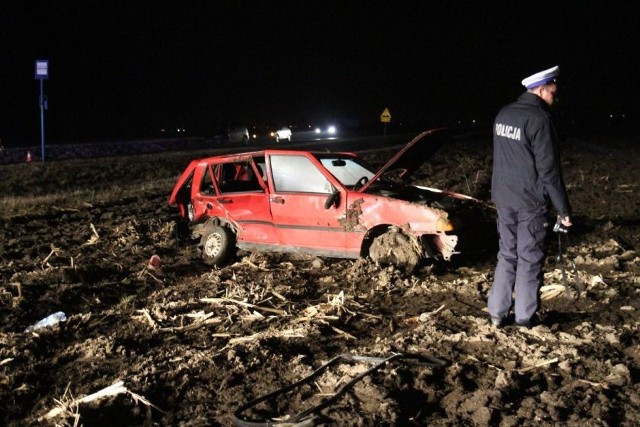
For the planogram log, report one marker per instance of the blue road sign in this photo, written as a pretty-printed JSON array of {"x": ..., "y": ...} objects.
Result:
[{"x": 42, "y": 69}]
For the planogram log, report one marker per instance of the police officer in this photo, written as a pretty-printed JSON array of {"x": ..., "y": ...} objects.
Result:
[{"x": 526, "y": 176}]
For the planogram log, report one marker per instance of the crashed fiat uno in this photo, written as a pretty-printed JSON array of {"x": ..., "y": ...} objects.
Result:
[{"x": 319, "y": 203}]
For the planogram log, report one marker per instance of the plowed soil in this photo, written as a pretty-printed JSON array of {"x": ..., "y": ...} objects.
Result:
[{"x": 189, "y": 345}]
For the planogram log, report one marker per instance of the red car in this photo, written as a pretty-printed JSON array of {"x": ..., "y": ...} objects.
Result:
[{"x": 321, "y": 203}]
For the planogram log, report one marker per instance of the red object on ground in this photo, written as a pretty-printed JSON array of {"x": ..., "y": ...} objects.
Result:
[{"x": 154, "y": 262}]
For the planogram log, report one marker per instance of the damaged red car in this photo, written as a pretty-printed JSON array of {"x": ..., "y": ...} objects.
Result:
[{"x": 318, "y": 203}]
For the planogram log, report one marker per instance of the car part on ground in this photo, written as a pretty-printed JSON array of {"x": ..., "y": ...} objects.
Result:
[{"x": 308, "y": 417}]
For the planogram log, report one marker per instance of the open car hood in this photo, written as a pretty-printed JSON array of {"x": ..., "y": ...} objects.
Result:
[{"x": 414, "y": 154}]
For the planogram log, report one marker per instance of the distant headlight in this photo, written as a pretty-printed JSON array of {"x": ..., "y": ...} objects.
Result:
[
  {"x": 318, "y": 130},
  {"x": 331, "y": 130}
]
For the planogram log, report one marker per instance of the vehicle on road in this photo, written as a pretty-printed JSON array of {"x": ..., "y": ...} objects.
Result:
[
  {"x": 238, "y": 135},
  {"x": 281, "y": 133},
  {"x": 327, "y": 130},
  {"x": 319, "y": 203},
  {"x": 275, "y": 133}
]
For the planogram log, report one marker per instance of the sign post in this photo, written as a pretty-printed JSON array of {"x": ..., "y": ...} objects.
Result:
[
  {"x": 385, "y": 118},
  {"x": 42, "y": 74}
]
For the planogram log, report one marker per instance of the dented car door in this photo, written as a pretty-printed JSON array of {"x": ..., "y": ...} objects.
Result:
[{"x": 236, "y": 191}]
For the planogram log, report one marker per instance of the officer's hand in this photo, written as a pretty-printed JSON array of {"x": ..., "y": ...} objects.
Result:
[{"x": 562, "y": 224}]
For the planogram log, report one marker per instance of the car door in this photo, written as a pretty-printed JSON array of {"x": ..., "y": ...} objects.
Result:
[
  {"x": 234, "y": 191},
  {"x": 300, "y": 190}
]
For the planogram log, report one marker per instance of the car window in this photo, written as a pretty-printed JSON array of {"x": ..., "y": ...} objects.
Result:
[
  {"x": 347, "y": 171},
  {"x": 297, "y": 174},
  {"x": 262, "y": 169},
  {"x": 236, "y": 177},
  {"x": 206, "y": 185}
]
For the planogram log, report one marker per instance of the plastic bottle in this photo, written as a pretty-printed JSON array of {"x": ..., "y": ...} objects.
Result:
[{"x": 52, "y": 319}]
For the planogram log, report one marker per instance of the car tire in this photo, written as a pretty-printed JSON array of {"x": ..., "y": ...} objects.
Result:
[
  {"x": 277, "y": 138},
  {"x": 245, "y": 140},
  {"x": 218, "y": 245},
  {"x": 395, "y": 248}
]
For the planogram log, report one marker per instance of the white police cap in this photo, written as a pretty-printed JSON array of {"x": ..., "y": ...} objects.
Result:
[{"x": 541, "y": 78}]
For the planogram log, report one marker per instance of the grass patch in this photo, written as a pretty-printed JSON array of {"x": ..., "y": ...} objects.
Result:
[{"x": 76, "y": 199}]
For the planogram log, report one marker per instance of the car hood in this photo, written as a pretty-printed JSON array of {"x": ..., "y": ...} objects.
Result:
[{"x": 414, "y": 154}]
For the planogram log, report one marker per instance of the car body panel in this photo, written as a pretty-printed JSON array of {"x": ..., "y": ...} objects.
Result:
[
  {"x": 291, "y": 197},
  {"x": 321, "y": 230}
]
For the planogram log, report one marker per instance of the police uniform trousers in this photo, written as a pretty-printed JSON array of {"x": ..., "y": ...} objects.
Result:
[{"x": 520, "y": 258}]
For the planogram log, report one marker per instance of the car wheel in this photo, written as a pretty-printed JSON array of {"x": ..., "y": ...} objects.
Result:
[
  {"x": 396, "y": 248},
  {"x": 217, "y": 245},
  {"x": 289, "y": 138},
  {"x": 277, "y": 138},
  {"x": 245, "y": 140}
]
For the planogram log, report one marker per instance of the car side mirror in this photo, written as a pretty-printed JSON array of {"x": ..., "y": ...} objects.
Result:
[{"x": 333, "y": 199}]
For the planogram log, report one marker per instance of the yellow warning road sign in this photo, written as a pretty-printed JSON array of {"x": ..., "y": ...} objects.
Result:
[{"x": 385, "y": 117}]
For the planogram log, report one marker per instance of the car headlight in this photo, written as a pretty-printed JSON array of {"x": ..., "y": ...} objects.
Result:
[
  {"x": 331, "y": 130},
  {"x": 318, "y": 130},
  {"x": 443, "y": 224}
]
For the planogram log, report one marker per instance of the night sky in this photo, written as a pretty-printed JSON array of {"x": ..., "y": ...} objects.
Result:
[{"x": 125, "y": 69}]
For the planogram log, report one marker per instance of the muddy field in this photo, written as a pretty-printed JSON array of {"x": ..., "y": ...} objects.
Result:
[{"x": 184, "y": 344}]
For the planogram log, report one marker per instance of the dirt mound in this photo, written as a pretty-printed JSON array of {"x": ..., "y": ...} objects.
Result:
[{"x": 183, "y": 344}]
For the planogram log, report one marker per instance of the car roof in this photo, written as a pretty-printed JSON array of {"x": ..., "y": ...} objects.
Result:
[{"x": 263, "y": 153}]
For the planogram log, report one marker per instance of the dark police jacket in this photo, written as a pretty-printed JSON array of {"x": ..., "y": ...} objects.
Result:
[{"x": 526, "y": 166}]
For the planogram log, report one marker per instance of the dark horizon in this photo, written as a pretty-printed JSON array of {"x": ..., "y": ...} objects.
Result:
[{"x": 125, "y": 71}]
